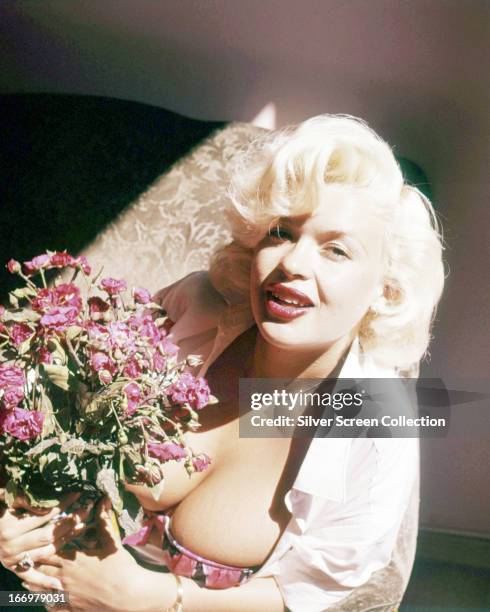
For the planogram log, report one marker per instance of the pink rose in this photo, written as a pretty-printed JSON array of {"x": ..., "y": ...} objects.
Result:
[
  {"x": 201, "y": 462},
  {"x": 95, "y": 331},
  {"x": 146, "y": 328},
  {"x": 189, "y": 390},
  {"x": 120, "y": 335},
  {"x": 36, "y": 263},
  {"x": 12, "y": 397},
  {"x": 2, "y": 311},
  {"x": 168, "y": 348},
  {"x": 13, "y": 266},
  {"x": 68, "y": 294},
  {"x": 19, "y": 332},
  {"x": 159, "y": 362},
  {"x": 45, "y": 356},
  {"x": 11, "y": 376},
  {"x": 65, "y": 294},
  {"x": 100, "y": 361},
  {"x": 132, "y": 369},
  {"x": 61, "y": 260},
  {"x": 59, "y": 318},
  {"x": 167, "y": 451},
  {"x": 133, "y": 393},
  {"x": 141, "y": 295},
  {"x": 22, "y": 424},
  {"x": 82, "y": 261},
  {"x": 113, "y": 286}
]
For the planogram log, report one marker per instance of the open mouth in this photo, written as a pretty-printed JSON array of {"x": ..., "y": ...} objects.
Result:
[{"x": 285, "y": 308}]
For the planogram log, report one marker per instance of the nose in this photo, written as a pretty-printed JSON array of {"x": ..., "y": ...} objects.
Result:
[{"x": 297, "y": 260}]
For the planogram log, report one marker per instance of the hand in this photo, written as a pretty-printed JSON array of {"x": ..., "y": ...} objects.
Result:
[
  {"x": 106, "y": 578},
  {"x": 40, "y": 534}
]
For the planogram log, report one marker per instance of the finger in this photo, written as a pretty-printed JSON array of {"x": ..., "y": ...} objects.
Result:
[
  {"x": 42, "y": 542},
  {"x": 39, "y": 581},
  {"x": 22, "y": 503},
  {"x": 106, "y": 534},
  {"x": 14, "y": 525}
]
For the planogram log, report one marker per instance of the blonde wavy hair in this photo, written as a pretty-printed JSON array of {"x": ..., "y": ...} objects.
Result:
[{"x": 285, "y": 172}]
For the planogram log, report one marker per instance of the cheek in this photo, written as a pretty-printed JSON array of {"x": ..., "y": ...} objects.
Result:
[{"x": 350, "y": 288}]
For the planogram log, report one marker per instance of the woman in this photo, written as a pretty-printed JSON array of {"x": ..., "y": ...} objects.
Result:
[{"x": 335, "y": 270}]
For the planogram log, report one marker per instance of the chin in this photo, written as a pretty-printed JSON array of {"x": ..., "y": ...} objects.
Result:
[{"x": 282, "y": 335}]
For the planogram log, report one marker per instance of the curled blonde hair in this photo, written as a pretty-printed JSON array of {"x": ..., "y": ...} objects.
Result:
[{"x": 285, "y": 172}]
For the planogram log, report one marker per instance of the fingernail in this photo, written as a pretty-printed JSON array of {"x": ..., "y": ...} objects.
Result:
[
  {"x": 56, "y": 584},
  {"x": 25, "y": 585}
]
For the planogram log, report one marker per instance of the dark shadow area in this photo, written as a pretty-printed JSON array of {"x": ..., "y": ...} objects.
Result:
[
  {"x": 447, "y": 587},
  {"x": 70, "y": 164}
]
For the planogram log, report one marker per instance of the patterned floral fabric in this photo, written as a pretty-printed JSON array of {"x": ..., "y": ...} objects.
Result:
[{"x": 183, "y": 562}]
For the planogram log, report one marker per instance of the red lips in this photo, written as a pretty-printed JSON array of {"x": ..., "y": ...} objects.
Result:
[
  {"x": 288, "y": 293},
  {"x": 279, "y": 305}
]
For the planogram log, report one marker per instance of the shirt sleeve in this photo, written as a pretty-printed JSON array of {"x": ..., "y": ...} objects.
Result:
[
  {"x": 195, "y": 309},
  {"x": 337, "y": 545}
]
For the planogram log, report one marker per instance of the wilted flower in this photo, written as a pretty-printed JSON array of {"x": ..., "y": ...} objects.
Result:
[
  {"x": 59, "y": 318},
  {"x": 100, "y": 361},
  {"x": 97, "y": 307},
  {"x": 61, "y": 260},
  {"x": 11, "y": 376},
  {"x": 201, "y": 462},
  {"x": 13, "y": 266},
  {"x": 190, "y": 390},
  {"x": 22, "y": 424},
  {"x": 66, "y": 294},
  {"x": 133, "y": 393},
  {"x": 113, "y": 286},
  {"x": 36, "y": 263},
  {"x": 19, "y": 332},
  {"x": 166, "y": 451},
  {"x": 84, "y": 265},
  {"x": 141, "y": 296}
]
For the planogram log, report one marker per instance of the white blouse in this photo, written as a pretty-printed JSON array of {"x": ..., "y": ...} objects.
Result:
[{"x": 350, "y": 494}]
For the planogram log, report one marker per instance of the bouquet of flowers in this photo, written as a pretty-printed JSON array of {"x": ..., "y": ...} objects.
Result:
[{"x": 92, "y": 394}]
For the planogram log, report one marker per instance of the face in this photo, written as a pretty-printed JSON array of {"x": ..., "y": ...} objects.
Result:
[{"x": 315, "y": 276}]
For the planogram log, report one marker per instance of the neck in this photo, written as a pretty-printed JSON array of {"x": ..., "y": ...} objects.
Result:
[{"x": 272, "y": 362}]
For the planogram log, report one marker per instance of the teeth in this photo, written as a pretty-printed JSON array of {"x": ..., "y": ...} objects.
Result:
[{"x": 288, "y": 301}]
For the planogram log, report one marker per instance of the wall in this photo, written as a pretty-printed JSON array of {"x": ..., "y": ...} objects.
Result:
[{"x": 417, "y": 71}]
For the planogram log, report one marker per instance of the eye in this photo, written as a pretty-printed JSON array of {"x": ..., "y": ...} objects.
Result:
[
  {"x": 335, "y": 252},
  {"x": 279, "y": 233}
]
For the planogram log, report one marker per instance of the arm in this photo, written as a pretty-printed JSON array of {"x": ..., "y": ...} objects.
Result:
[{"x": 259, "y": 595}]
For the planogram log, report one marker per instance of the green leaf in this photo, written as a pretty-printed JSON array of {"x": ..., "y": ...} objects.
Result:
[
  {"x": 24, "y": 292},
  {"x": 58, "y": 375},
  {"x": 41, "y": 447},
  {"x": 22, "y": 316},
  {"x": 73, "y": 331},
  {"x": 57, "y": 351},
  {"x": 25, "y": 346},
  {"x": 11, "y": 492}
]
